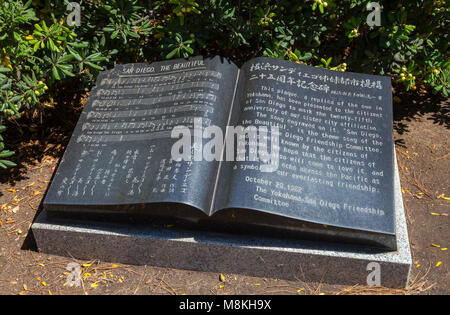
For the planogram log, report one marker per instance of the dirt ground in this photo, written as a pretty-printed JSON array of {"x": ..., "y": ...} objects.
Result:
[{"x": 421, "y": 131}]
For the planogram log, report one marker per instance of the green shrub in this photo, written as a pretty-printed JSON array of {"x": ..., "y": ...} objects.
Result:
[
  {"x": 5, "y": 153},
  {"x": 38, "y": 50}
]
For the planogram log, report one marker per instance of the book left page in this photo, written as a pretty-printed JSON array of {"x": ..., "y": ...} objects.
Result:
[{"x": 120, "y": 152}]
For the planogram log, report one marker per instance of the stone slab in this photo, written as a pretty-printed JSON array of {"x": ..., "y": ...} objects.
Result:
[{"x": 215, "y": 252}]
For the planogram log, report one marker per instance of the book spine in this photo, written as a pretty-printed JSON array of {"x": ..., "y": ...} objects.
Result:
[{"x": 219, "y": 168}]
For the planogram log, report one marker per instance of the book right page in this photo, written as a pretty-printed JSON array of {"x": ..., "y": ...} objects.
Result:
[{"x": 326, "y": 153}]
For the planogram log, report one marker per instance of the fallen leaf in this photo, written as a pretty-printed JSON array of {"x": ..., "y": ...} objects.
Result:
[
  {"x": 438, "y": 263},
  {"x": 222, "y": 277},
  {"x": 443, "y": 197},
  {"x": 29, "y": 185},
  {"x": 435, "y": 245}
]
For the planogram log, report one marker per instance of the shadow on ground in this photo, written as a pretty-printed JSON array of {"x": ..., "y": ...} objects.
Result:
[
  {"x": 413, "y": 106},
  {"x": 43, "y": 133}
]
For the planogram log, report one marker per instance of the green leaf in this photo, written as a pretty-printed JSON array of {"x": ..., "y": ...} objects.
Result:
[
  {"x": 52, "y": 45},
  {"x": 133, "y": 34},
  {"x": 66, "y": 58},
  {"x": 306, "y": 56},
  {"x": 44, "y": 26},
  {"x": 67, "y": 72},
  {"x": 8, "y": 163},
  {"x": 96, "y": 57},
  {"x": 6, "y": 153},
  {"x": 6, "y": 86},
  {"x": 172, "y": 53},
  {"x": 79, "y": 45},
  {"x": 75, "y": 54},
  {"x": 114, "y": 34},
  {"x": 55, "y": 73},
  {"x": 92, "y": 65}
]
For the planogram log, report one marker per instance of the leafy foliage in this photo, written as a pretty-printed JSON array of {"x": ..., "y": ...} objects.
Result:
[{"x": 39, "y": 50}]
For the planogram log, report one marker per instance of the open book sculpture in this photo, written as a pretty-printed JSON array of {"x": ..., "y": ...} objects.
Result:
[{"x": 273, "y": 147}]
